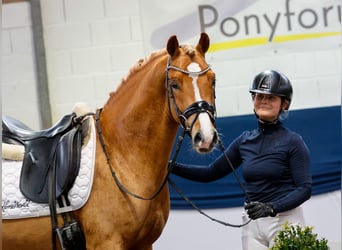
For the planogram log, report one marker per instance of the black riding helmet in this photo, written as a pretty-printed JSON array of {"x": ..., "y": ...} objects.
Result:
[{"x": 273, "y": 83}]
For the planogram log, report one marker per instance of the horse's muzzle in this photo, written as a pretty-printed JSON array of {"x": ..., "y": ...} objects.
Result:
[{"x": 204, "y": 144}]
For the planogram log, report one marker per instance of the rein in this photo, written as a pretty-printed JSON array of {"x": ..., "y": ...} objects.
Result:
[
  {"x": 167, "y": 177},
  {"x": 196, "y": 108},
  {"x": 180, "y": 192}
]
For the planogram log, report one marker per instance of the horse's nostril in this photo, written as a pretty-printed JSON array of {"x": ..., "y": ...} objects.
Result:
[
  {"x": 215, "y": 139},
  {"x": 198, "y": 138}
]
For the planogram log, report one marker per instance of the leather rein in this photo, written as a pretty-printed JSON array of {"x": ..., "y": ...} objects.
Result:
[
  {"x": 180, "y": 192},
  {"x": 195, "y": 108}
]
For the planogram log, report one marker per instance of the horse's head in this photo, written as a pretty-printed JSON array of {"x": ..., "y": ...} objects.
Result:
[{"x": 190, "y": 83}]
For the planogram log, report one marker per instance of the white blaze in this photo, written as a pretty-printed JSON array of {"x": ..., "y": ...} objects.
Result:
[{"x": 204, "y": 118}]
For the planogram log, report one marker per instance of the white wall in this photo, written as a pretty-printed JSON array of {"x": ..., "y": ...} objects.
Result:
[
  {"x": 90, "y": 46},
  {"x": 18, "y": 75}
]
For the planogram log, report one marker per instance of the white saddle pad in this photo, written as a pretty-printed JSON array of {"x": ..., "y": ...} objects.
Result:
[{"x": 16, "y": 206}]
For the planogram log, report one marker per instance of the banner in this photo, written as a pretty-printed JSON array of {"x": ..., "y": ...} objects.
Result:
[{"x": 244, "y": 28}]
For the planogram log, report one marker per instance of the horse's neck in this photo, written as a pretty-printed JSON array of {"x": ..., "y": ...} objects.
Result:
[{"x": 137, "y": 125}]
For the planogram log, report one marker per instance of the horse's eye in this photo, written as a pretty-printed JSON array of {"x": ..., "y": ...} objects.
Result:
[
  {"x": 214, "y": 82},
  {"x": 174, "y": 84}
]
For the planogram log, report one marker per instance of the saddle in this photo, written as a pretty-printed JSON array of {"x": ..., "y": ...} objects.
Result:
[
  {"x": 50, "y": 166},
  {"x": 55, "y": 149}
]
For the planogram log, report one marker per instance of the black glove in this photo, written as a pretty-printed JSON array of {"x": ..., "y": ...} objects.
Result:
[{"x": 257, "y": 210}]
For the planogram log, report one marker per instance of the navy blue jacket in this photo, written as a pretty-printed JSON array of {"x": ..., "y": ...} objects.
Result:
[{"x": 275, "y": 166}]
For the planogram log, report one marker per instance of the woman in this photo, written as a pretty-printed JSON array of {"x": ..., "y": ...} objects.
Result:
[{"x": 275, "y": 164}]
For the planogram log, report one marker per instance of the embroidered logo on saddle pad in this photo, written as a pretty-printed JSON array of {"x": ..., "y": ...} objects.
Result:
[{"x": 16, "y": 206}]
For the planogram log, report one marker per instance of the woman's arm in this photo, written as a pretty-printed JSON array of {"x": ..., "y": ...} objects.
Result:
[{"x": 216, "y": 170}]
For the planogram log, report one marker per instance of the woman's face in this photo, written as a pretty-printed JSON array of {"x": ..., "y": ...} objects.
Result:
[{"x": 267, "y": 107}]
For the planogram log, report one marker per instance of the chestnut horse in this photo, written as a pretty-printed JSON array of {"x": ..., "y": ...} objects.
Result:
[{"x": 139, "y": 123}]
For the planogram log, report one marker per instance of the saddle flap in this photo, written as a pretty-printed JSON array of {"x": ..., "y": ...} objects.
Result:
[
  {"x": 68, "y": 156},
  {"x": 36, "y": 164}
]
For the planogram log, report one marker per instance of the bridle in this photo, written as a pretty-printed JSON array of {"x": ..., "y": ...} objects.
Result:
[{"x": 195, "y": 108}]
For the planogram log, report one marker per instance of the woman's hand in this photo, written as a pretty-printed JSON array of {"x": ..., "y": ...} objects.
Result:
[{"x": 257, "y": 210}]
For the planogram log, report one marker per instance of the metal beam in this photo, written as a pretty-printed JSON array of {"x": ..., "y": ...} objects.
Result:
[{"x": 40, "y": 58}]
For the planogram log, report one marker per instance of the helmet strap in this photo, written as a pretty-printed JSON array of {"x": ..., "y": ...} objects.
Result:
[
  {"x": 265, "y": 122},
  {"x": 268, "y": 122}
]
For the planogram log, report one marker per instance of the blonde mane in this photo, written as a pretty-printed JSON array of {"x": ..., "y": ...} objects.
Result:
[{"x": 140, "y": 63}]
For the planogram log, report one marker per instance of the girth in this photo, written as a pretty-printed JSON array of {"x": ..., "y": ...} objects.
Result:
[{"x": 58, "y": 148}]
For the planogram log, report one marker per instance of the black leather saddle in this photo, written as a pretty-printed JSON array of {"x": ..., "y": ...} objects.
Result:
[{"x": 56, "y": 150}]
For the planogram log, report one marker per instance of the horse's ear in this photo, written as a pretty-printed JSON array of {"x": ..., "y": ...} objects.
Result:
[
  {"x": 203, "y": 43},
  {"x": 172, "y": 46}
]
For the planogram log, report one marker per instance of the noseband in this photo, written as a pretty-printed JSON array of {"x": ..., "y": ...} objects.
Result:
[{"x": 195, "y": 108}]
